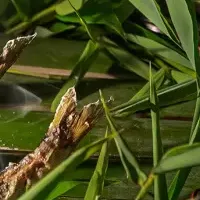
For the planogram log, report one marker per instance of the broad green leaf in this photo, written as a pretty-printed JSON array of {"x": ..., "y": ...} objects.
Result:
[
  {"x": 96, "y": 12},
  {"x": 151, "y": 10},
  {"x": 96, "y": 183},
  {"x": 88, "y": 56},
  {"x": 179, "y": 157},
  {"x": 160, "y": 185},
  {"x": 173, "y": 94},
  {"x": 61, "y": 188},
  {"x": 131, "y": 166},
  {"x": 45, "y": 185},
  {"x": 184, "y": 21}
]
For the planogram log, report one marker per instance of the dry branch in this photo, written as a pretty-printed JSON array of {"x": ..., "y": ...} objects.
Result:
[
  {"x": 64, "y": 133},
  {"x": 11, "y": 52}
]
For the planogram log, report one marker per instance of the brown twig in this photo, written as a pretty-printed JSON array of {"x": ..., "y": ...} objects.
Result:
[
  {"x": 11, "y": 52},
  {"x": 64, "y": 133}
]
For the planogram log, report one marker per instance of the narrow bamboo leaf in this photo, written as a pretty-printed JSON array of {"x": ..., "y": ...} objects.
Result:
[
  {"x": 59, "y": 27},
  {"x": 160, "y": 185},
  {"x": 125, "y": 153},
  {"x": 136, "y": 29},
  {"x": 180, "y": 77},
  {"x": 61, "y": 188},
  {"x": 124, "y": 10},
  {"x": 181, "y": 176},
  {"x": 186, "y": 27},
  {"x": 45, "y": 185},
  {"x": 56, "y": 28},
  {"x": 158, "y": 78},
  {"x": 96, "y": 184},
  {"x": 84, "y": 23},
  {"x": 151, "y": 10},
  {"x": 167, "y": 96},
  {"x": 127, "y": 60},
  {"x": 88, "y": 56},
  {"x": 179, "y": 157},
  {"x": 144, "y": 189},
  {"x": 161, "y": 50},
  {"x": 96, "y": 12}
]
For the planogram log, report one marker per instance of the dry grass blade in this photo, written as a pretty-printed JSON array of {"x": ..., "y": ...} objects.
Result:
[
  {"x": 12, "y": 50},
  {"x": 64, "y": 133}
]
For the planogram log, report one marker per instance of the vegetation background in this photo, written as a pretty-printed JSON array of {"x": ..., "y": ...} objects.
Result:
[{"x": 144, "y": 54}]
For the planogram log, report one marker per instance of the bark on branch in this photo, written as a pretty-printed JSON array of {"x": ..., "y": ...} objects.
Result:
[
  {"x": 64, "y": 133},
  {"x": 12, "y": 50}
]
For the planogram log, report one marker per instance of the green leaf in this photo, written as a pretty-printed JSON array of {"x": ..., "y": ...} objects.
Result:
[
  {"x": 64, "y": 8},
  {"x": 124, "y": 10},
  {"x": 186, "y": 27},
  {"x": 134, "y": 173},
  {"x": 56, "y": 28},
  {"x": 61, "y": 188},
  {"x": 96, "y": 12},
  {"x": 160, "y": 185},
  {"x": 158, "y": 78},
  {"x": 144, "y": 189},
  {"x": 180, "y": 77},
  {"x": 59, "y": 27},
  {"x": 45, "y": 185},
  {"x": 96, "y": 184},
  {"x": 23, "y": 8},
  {"x": 160, "y": 49},
  {"x": 151, "y": 10},
  {"x": 179, "y": 157},
  {"x": 88, "y": 56},
  {"x": 167, "y": 96},
  {"x": 127, "y": 60}
]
